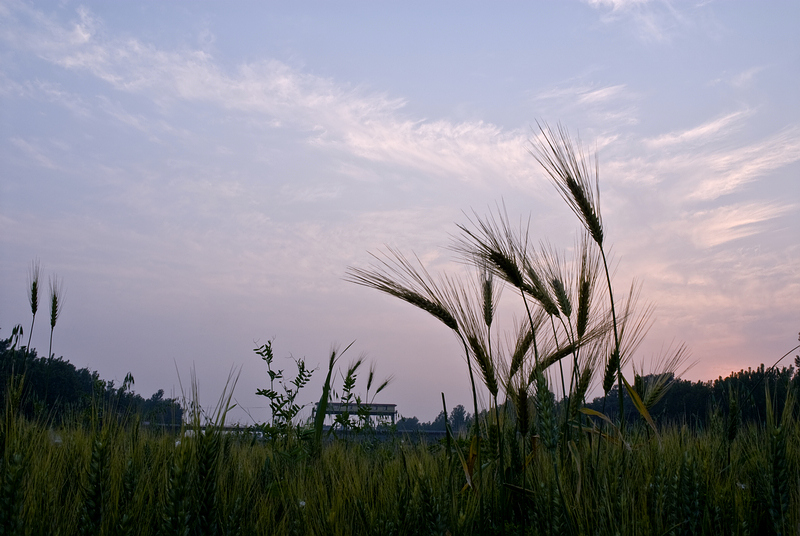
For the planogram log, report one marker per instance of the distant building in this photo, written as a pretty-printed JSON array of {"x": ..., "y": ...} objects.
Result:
[{"x": 376, "y": 412}]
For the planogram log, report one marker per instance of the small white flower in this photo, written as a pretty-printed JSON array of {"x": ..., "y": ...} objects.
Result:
[{"x": 302, "y": 504}]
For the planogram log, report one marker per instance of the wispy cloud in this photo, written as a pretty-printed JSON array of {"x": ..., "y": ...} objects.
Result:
[
  {"x": 705, "y": 132},
  {"x": 609, "y": 105},
  {"x": 44, "y": 92},
  {"x": 604, "y": 94},
  {"x": 745, "y": 78},
  {"x": 369, "y": 126},
  {"x": 35, "y": 152},
  {"x": 710, "y": 228},
  {"x": 617, "y": 5},
  {"x": 373, "y": 127},
  {"x": 307, "y": 194},
  {"x": 115, "y": 110},
  {"x": 732, "y": 169},
  {"x": 56, "y": 94},
  {"x": 651, "y": 21},
  {"x": 705, "y": 162},
  {"x": 741, "y": 79},
  {"x": 583, "y": 93}
]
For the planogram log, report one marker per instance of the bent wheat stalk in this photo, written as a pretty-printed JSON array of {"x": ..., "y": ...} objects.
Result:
[{"x": 397, "y": 276}]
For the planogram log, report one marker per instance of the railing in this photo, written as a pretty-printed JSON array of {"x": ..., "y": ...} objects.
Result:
[{"x": 374, "y": 410}]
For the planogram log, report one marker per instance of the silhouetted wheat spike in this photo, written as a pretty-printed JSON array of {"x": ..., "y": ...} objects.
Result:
[
  {"x": 584, "y": 381},
  {"x": 553, "y": 357},
  {"x": 494, "y": 243},
  {"x": 489, "y": 293},
  {"x": 33, "y": 297},
  {"x": 562, "y": 298},
  {"x": 467, "y": 309},
  {"x": 587, "y": 277},
  {"x": 322, "y": 405},
  {"x": 520, "y": 399},
  {"x": 611, "y": 371},
  {"x": 553, "y": 275},
  {"x": 56, "y": 306},
  {"x": 567, "y": 166},
  {"x": 536, "y": 286},
  {"x": 521, "y": 348},
  {"x": 484, "y": 363},
  {"x": 556, "y": 274},
  {"x": 659, "y": 382},
  {"x": 467, "y": 304},
  {"x": 396, "y": 276}
]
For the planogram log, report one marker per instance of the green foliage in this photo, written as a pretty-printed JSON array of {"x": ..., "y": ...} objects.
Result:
[
  {"x": 118, "y": 479},
  {"x": 12, "y": 472},
  {"x": 282, "y": 403},
  {"x": 95, "y": 490}
]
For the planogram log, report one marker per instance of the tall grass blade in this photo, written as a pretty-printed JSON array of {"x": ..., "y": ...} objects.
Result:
[{"x": 322, "y": 405}]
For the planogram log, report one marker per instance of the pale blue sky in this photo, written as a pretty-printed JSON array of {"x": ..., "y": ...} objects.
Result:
[{"x": 201, "y": 174}]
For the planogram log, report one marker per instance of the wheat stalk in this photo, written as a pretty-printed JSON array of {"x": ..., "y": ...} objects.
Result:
[
  {"x": 566, "y": 163},
  {"x": 588, "y": 270},
  {"x": 56, "y": 306},
  {"x": 666, "y": 367},
  {"x": 398, "y": 277},
  {"x": 33, "y": 297}
]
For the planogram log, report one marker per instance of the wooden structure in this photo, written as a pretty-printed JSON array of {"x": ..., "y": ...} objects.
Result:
[{"x": 374, "y": 410}]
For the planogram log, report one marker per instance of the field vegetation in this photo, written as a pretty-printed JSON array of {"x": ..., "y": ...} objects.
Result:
[{"x": 537, "y": 457}]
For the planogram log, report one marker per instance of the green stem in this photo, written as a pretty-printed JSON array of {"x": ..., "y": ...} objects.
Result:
[
  {"x": 533, "y": 330},
  {"x": 616, "y": 341},
  {"x": 30, "y": 335},
  {"x": 477, "y": 478},
  {"x": 560, "y": 365}
]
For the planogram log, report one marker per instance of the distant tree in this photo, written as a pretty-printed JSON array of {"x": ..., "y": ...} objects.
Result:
[
  {"x": 460, "y": 420},
  {"x": 408, "y": 424},
  {"x": 437, "y": 425}
]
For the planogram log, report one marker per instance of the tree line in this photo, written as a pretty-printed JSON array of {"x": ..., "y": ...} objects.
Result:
[
  {"x": 52, "y": 388},
  {"x": 740, "y": 396}
]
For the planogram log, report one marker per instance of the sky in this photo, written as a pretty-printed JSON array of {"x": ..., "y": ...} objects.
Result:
[{"x": 200, "y": 175}]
